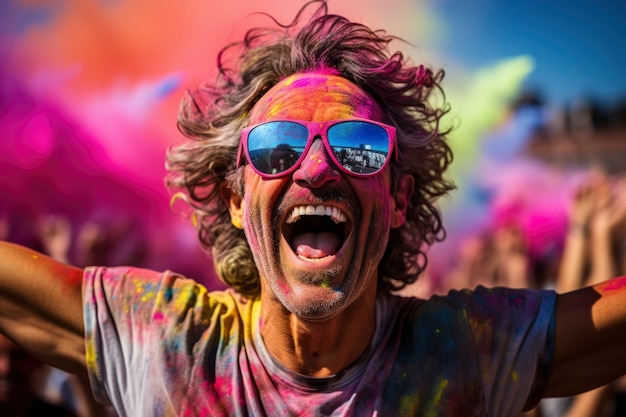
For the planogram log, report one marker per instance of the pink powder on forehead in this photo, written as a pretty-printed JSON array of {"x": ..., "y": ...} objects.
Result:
[
  {"x": 342, "y": 85},
  {"x": 321, "y": 71},
  {"x": 300, "y": 95},
  {"x": 308, "y": 82}
]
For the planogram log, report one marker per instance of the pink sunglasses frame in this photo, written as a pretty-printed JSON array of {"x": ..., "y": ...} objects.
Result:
[{"x": 316, "y": 129}]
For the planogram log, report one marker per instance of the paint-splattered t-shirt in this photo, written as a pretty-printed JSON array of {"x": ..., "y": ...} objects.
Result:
[{"x": 162, "y": 345}]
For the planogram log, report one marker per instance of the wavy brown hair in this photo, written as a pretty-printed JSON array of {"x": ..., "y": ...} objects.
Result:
[{"x": 214, "y": 114}]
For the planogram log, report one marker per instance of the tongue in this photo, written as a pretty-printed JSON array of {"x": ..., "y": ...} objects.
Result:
[{"x": 316, "y": 245}]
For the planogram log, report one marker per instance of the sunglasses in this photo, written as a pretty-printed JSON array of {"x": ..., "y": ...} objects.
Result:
[{"x": 357, "y": 147}]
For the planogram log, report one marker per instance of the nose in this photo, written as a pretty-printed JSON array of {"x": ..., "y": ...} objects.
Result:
[{"x": 317, "y": 168}]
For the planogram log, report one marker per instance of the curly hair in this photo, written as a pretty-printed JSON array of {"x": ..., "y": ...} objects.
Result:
[{"x": 215, "y": 113}]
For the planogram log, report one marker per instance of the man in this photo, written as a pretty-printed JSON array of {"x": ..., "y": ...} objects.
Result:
[{"x": 312, "y": 247}]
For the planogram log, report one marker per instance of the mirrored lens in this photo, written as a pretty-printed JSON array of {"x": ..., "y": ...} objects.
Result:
[
  {"x": 276, "y": 146},
  {"x": 360, "y": 147}
]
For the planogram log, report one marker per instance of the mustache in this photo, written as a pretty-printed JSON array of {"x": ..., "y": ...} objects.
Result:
[{"x": 322, "y": 196}]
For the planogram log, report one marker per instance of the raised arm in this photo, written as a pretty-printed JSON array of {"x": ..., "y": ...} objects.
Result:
[
  {"x": 607, "y": 227},
  {"x": 41, "y": 306},
  {"x": 590, "y": 346},
  {"x": 571, "y": 274}
]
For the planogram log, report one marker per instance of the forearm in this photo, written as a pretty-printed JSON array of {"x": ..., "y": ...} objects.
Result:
[
  {"x": 602, "y": 262},
  {"x": 41, "y": 306},
  {"x": 590, "y": 403},
  {"x": 570, "y": 275}
]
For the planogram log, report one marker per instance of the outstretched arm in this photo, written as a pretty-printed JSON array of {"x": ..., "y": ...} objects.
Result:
[
  {"x": 41, "y": 306},
  {"x": 590, "y": 346}
]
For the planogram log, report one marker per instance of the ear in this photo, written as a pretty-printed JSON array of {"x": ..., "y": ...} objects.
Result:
[
  {"x": 400, "y": 201},
  {"x": 234, "y": 203}
]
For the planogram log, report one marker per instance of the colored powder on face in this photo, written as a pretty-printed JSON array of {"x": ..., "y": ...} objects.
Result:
[
  {"x": 289, "y": 80},
  {"x": 315, "y": 88},
  {"x": 326, "y": 282},
  {"x": 284, "y": 288}
]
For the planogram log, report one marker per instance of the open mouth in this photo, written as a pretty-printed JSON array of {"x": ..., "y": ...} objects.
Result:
[{"x": 315, "y": 232}]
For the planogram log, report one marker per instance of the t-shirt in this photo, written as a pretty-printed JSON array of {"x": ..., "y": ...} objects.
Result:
[{"x": 159, "y": 344}]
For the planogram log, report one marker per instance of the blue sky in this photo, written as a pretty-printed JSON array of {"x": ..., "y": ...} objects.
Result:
[{"x": 579, "y": 47}]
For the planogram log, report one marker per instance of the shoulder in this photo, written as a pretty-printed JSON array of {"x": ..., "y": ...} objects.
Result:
[
  {"x": 496, "y": 308},
  {"x": 127, "y": 289},
  {"x": 483, "y": 300}
]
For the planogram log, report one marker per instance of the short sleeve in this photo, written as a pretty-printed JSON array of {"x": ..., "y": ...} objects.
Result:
[
  {"x": 513, "y": 333},
  {"x": 138, "y": 325},
  {"x": 109, "y": 297}
]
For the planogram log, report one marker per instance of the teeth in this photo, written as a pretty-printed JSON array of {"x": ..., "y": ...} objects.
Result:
[{"x": 334, "y": 213}]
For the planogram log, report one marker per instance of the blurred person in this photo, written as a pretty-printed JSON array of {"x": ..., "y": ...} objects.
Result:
[
  {"x": 20, "y": 379},
  {"x": 608, "y": 256},
  {"x": 509, "y": 262},
  {"x": 496, "y": 257},
  {"x": 58, "y": 386},
  {"x": 467, "y": 269},
  {"x": 63, "y": 392},
  {"x": 312, "y": 254},
  {"x": 596, "y": 217}
]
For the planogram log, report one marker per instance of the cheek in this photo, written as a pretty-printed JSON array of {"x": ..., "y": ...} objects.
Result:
[
  {"x": 251, "y": 212},
  {"x": 258, "y": 203},
  {"x": 376, "y": 206},
  {"x": 378, "y": 197}
]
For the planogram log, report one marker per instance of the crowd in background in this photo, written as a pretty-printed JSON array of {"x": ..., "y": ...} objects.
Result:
[
  {"x": 593, "y": 250},
  {"x": 28, "y": 387}
]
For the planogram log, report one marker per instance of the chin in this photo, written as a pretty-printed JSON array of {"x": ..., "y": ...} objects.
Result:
[
  {"x": 313, "y": 303},
  {"x": 316, "y": 302}
]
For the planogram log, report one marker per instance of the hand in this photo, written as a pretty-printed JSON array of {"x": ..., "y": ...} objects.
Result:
[
  {"x": 582, "y": 206},
  {"x": 90, "y": 239},
  {"x": 610, "y": 212},
  {"x": 55, "y": 233}
]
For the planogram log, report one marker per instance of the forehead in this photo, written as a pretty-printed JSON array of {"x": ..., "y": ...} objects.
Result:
[{"x": 315, "y": 96}]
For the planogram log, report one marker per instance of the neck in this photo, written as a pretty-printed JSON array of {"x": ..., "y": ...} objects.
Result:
[{"x": 318, "y": 348}]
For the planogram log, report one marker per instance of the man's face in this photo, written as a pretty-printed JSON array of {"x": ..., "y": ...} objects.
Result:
[{"x": 315, "y": 265}]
